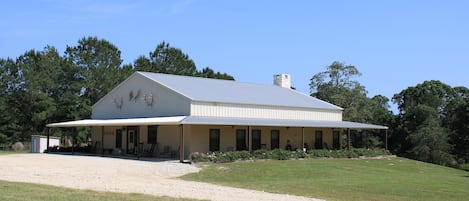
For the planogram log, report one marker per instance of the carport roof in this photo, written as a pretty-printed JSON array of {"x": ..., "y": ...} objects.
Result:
[{"x": 199, "y": 120}]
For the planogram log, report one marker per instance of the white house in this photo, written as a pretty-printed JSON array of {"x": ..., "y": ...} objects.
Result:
[{"x": 175, "y": 115}]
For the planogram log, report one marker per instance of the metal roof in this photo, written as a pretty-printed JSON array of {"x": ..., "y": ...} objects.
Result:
[
  {"x": 198, "y": 120},
  {"x": 227, "y": 91},
  {"x": 120, "y": 122}
]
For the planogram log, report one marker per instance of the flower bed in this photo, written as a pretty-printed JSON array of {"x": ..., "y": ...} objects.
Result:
[{"x": 280, "y": 154}]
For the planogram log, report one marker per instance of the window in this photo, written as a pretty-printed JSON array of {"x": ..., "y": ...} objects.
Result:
[
  {"x": 274, "y": 139},
  {"x": 240, "y": 139},
  {"x": 152, "y": 132},
  {"x": 336, "y": 140},
  {"x": 318, "y": 141},
  {"x": 256, "y": 139},
  {"x": 118, "y": 138},
  {"x": 214, "y": 141}
]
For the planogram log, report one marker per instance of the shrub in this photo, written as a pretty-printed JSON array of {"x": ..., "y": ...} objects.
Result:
[
  {"x": 261, "y": 154},
  {"x": 18, "y": 146},
  {"x": 199, "y": 157},
  {"x": 281, "y": 154}
]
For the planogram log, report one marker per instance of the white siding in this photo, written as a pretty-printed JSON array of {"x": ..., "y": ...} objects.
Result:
[
  {"x": 120, "y": 102},
  {"x": 266, "y": 112}
]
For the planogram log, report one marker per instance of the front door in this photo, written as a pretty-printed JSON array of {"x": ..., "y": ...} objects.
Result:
[{"x": 132, "y": 140}]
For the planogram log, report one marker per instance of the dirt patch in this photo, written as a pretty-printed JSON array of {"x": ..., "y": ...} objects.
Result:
[{"x": 121, "y": 175}]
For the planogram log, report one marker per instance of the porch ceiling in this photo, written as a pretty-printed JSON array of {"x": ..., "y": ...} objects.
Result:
[
  {"x": 176, "y": 120},
  {"x": 198, "y": 120}
]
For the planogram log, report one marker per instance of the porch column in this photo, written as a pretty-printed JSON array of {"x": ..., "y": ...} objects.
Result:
[
  {"x": 249, "y": 139},
  {"x": 303, "y": 138},
  {"x": 102, "y": 140},
  {"x": 48, "y": 136},
  {"x": 181, "y": 144},
  {"x": 340, "y": 138},
  {"x": 74, "y": 130},
  {"x": 386, "y": 139},
  {"x": 349, "y": 141}
]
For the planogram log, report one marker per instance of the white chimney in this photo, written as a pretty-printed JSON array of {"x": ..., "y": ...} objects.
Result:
[{"x": 282, "y": 80}]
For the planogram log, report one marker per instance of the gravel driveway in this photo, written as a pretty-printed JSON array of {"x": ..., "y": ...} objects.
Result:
[{"x": 121, "y": 175}]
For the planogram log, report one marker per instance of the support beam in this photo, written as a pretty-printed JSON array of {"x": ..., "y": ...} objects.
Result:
[
  {"x": 340, "y": 139},
  {"x": 102, "y": 140},
  {"x": 181, "y": 144},
  {"x": 73, "y": 138},
  {"x": 48, "y": 137},
  {"x": 303, "y": 138},
  {"x": 349, "y": 141},
  {"x": 386, "y": 139},
  {"x": 249, "y": 139}
]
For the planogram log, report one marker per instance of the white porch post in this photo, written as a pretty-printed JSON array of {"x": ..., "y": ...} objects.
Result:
[
  {"x": 349, "y": 141},
  {"x": 249, "y": 139},
  {"x": 303, "y": 138},
  {"x": 48, "y": 137},
  {"x": 386, "y": 139},
  {"x": 102, "y": 140},
  {"x": 181, "y": 144}
]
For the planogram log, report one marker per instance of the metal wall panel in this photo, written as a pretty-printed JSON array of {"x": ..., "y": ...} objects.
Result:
[
  {"x": 140, "y": 97},
  {"x": 266, "y": 112}
]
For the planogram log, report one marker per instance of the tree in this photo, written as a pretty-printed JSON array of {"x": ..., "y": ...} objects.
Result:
[
  {"x": 30, "y": 90},
  {"x": 207, "y": 72},
  {"x": 9, "y": 84},
  {"x": 430, "y": 143},
  {"x": 457, "y": 120},
  {"x": 335, "y": 85},
  {"x": 166, "y": 59},
  {"x": 422, "y": 109},
  {"x": 171, "y": 60},
  {"x": 99, "y": 64}
]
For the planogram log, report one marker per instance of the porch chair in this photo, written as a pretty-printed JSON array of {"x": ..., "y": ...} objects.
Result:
[
  {"x": 167, "y": 152},
  {"x": 149, "y": 151}
]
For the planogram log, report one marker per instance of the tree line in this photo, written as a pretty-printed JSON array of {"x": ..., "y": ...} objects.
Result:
[
  {"x": 44, "y": 86},
  {"x": 41, "y": 87},
  {"x": 432, "y": 124}
]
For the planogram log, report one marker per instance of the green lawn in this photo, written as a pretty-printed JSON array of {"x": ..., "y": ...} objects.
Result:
[
  {"x": 465, "y": 166},
  {"x": 16, "y": 191},
  {"x": 343, "y": 179},
  {"x": 15, "y": 152}
]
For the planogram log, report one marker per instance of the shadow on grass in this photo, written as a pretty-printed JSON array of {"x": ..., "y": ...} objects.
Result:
[{"x": 135, "y": 158}]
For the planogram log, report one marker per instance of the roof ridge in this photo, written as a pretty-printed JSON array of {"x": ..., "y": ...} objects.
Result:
[{"x": 237, "y": 92}]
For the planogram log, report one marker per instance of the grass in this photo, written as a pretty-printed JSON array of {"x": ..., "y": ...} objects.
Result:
[
  {"x": 342, "y": 179},
  {"x": 16, "y": 191},
  {"x": 14, "y": 152},
  {"x": 465, "y": 166}
]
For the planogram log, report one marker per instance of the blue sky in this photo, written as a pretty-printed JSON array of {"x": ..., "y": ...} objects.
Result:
[{"x": 395, "y": 44}]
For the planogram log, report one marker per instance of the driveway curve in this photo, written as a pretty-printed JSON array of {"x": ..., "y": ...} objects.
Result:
[{"x": 157, "y": 178}]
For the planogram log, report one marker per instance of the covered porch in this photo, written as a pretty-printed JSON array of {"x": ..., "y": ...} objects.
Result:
[{"x": 179, "y": 136}]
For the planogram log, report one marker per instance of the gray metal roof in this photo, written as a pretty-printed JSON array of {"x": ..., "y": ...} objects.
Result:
[
  {"x": 198, "y": 120},
  {"x": 226, "y": 91}
]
